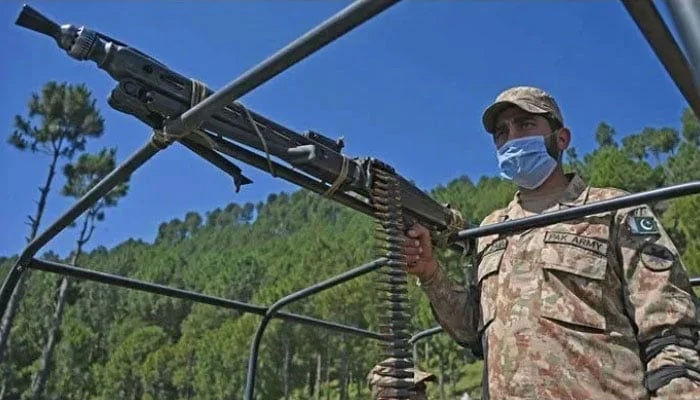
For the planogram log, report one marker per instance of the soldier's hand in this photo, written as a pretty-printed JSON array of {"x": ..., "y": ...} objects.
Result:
[{"x": 419, "y": 253}]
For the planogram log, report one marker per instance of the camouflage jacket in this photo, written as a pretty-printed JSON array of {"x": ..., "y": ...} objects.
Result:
[{"x": 566, "y": 311}]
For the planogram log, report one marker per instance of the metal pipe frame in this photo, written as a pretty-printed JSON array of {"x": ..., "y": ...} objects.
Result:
[
  {"x": 424, "y": 334},
  {"x": 296, "y": 296},
  {"x": 642, "y": 12},
  {"x": 130, "y": 283},
  {"x": 538, "y": 221},
  {"x": 656, "y": 32},
  {"x": 686, "y": 18}
]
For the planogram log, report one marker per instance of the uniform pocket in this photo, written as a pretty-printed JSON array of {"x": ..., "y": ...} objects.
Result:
[
  {"x": 574, "y": 272},
  {"x": 487, "y": 277}
]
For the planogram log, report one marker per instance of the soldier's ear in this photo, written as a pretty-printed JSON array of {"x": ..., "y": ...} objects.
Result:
[{"x": 563, "y": 139}]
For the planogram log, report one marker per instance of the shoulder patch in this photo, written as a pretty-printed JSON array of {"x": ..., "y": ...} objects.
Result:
[
  {"x": 595, "y": 245},
  {"x": 657, "y": 258},
  {"x": 642, "y": 225}
]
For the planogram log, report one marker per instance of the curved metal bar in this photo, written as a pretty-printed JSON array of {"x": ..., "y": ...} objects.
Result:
[
  {"x": 341, "y": 23},
  {"x": 424, "y": 334},
  {"x": 327, "y": 284},
  {"x": 553, "y": 217},
  {"x": 129, "y": 283},
  {"x": 413, "y": 341}
]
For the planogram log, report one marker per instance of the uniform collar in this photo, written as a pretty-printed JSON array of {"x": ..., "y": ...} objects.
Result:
[{"x": 576, "y": 193}]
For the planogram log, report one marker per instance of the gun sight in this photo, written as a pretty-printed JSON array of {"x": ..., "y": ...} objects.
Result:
[{"x": 33, "y": 20}]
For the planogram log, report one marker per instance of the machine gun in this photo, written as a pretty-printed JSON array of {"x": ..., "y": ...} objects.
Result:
[
  {"x": 150, "y": 91},
  {"x": 158, "y": 96}
]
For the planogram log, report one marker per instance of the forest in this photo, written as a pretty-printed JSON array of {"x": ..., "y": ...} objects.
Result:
[{"x": 78, "y": 340}]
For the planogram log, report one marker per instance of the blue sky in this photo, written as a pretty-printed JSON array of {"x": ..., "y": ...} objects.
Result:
[{"x": 407, "y": 87}]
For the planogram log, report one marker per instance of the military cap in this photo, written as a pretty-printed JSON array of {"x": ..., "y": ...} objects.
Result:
[{"x": 531, "y": 99}]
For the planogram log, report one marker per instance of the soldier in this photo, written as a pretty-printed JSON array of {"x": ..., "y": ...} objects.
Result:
[
  {"x": 378, "y": 378},
  {"x": 595, "y": 308}
]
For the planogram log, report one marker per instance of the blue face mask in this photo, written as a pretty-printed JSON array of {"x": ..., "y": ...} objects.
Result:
[{"x": 526, "y": 161}]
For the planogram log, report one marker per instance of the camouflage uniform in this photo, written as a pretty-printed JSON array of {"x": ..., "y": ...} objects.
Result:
[
  {"x": 594, "y": 308},
  {"x": 378, "y": 378}
]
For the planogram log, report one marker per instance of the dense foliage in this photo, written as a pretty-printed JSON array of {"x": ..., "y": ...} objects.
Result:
[{"x": 116, "y": 343}]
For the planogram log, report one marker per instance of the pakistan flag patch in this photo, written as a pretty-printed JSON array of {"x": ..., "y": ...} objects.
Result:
[{"x": 643, "y": 226}]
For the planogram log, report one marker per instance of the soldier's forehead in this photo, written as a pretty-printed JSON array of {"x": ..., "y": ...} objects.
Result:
[{"x": 513, "y": 112}]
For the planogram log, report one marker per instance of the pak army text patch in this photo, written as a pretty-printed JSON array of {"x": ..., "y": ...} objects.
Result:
[{"x": 592, "y": 244}]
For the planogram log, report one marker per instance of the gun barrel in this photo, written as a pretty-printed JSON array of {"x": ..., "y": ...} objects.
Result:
[{"x": 33, "y": 20}]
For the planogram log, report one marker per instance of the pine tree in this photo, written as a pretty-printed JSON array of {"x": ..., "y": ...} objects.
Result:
[{"x": 59, "y": 122}]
